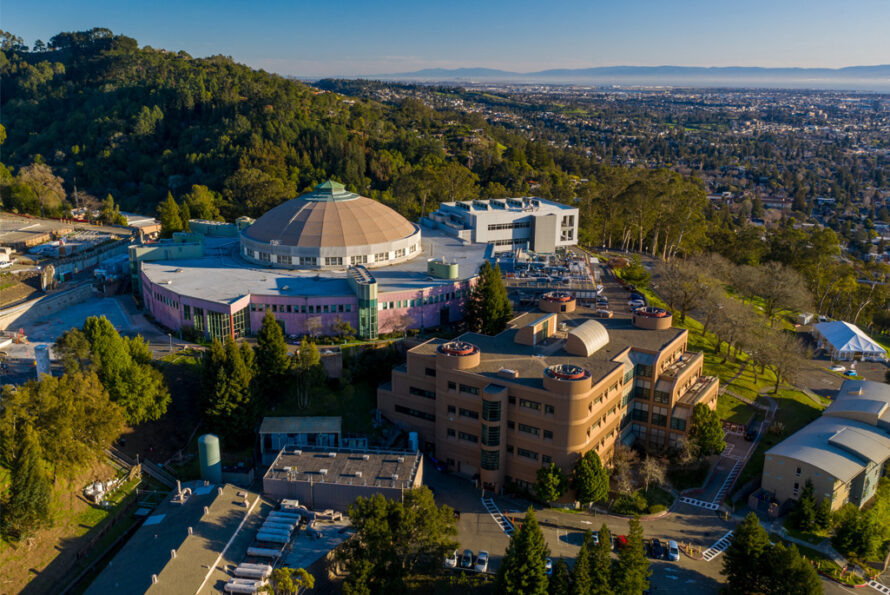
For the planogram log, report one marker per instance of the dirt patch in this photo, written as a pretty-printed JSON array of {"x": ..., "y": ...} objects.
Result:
[
  {"x": 47, "y": 558},
  {"x": 18, "y": 289}
]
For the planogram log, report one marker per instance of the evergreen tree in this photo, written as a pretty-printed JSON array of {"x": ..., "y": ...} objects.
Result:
[
  {"x": 582, "y": 581},
  {"x": 290, "y": 581},
  {"x": 706, "y": 431},
  {"x": 591, "y": 479},
  {"x": 804, "y": 516},
  {"x": 551, "y": 483},
  {"x": 631, "y": 573},
  {"x": 523, "y": 570},
  {"x": 787, "y": 573},
  {"x": 488, "y": 309},
  {"x": 230, "y": 410},
  {"x": 170, "y": 217},
  {"x": 309, "y": 373},
  {"x": 823, "y": 514},
  {"x": 30, "y": 491},
  {"x": 212, "y": 360},
  {"x": 743, "y": 559},
  {"x": 601, "y": 564},
  {"x": 272, "y": 359},
  {"x": 110, "y": 213},
  {"x": 185, "y": 215},
  {"x": 560, "y": 579}
]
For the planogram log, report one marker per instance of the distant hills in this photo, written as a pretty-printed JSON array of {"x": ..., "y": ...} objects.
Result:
[{"x": 867, "y": 78}]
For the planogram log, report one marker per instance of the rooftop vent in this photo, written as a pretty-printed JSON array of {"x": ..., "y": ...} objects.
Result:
[
  {"x": 178, "y": 271},
  {"x": 567, "y": 372},
  {"x": 395, "y": 476},
  {"x": 508, "y": 373},
  {"x": 323, "y": 471},
  {"x": 401, "y": 459},
  {"x": 358, "y": 473},
  {"x": 366, "y": 457},
  {"x": 458, "y": 348},
  {"x": 333, "y": 455}
]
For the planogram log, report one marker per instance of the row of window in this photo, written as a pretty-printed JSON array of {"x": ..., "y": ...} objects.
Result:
[
  {"x": 514, "y": 225},
  {"x": 415, "y": 413},
  {"x": 420, "y": 392},
  {"x": 513, "y": 242},
  {"x": 462, "y": 435},
  {"x": 432, "y": 299},
  {"x": 166, "y": 300},
  {"x": 329, "y": 260},
  {"x": 302, "y": 308}
]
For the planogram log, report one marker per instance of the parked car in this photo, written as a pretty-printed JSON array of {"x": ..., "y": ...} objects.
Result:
[
  {"x": 619, "y": 542},
  {"x": 656, "y": 550},
  {"x": 482, "y": 562},
  {"x": 467, "y": 560},
  {"x": 850, "y": 373},
  {"x": 753, "y": 429},
  {"x": 637, "y": 296},
  {"x": 838, "y": 368},
  {"x": 673, "y": 553},
  {"x": 451, "y": 561},
  {"x": 636, "y": 303},
  {"x": 596, "y": 537},
  {"x": 603, "y": 314},
  {"x": 549, "y": 566}
]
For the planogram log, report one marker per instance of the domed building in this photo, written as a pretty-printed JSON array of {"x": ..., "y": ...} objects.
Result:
[{"x": 330, "y": 228}]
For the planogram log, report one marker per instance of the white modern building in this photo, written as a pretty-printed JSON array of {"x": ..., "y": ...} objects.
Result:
[{"x": 531, "y": 223}]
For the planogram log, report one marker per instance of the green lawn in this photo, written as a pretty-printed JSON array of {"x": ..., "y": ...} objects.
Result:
[{"x": 733, "y": 410}]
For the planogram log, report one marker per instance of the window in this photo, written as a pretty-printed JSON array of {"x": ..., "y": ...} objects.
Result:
[
  {"x": 640, "y": 411},
  {"x": 546, "y": 459},
  {"x": 796, "y": 489},
  {"x": 284, "y": 259},
  {"x": 451, "y": 433},
  {"x": 529, "y": 430},
  {"x": 628, "y": 375},
  {"x": 511, "y": 400},
  {"x": 381, "y": 257},
  {"x": 530, "y": 404},
  {"x": 452, "y": 385},
  {"x": 264, "y": 256},
  {"x": 420, "y": 392},
  {"x": 797, "y": 472},
  {"x": 624, "y": 399},
  {"x": 469, "y": 389},
  {"x": 451, "y": 409},
  {"x": 430, "y": 372},
  {"x": 467, "y": 437},
  {"x": 308, "y": 261},
  {"x": 643, "y": 370},
  {"x": 548, "y": 409},
  {"x": 659, "y": 416},
  {"x": 400, "y": 253},
  {"x": 186, "y": 312},
  {"x": 358, "y": 259},
  {"x": 467, "y": 413},
  {"x": 302, "y": 308},
  {"x": 490, "y": 460},
  {"x": 491, "y": 410},
  {"x": 528, "y": 454},
  {"x": 491, "y": 435},
  {"x": 661, "y": 397},
  {"x": 333, "y": 261},
  {"x": 548, "y": 435},
  {"x": 678, "y": 424},
  {"x": 415, "y": 413}
]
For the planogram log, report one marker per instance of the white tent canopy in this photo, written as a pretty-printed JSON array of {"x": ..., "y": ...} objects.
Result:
[{"x": 845, "y": 341}]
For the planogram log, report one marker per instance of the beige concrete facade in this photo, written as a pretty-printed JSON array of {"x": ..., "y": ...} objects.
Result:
[{"x": 496, "y": 409}]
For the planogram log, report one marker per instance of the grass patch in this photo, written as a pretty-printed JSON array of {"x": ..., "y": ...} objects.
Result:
[
  {"x": 733, "y": 410},
  {"x": 688, "y": 477},
  {"x": 814, "y": 538},
  {"x": 657, "y": 496}
]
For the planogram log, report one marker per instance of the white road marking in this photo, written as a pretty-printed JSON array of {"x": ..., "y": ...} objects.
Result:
[
  {"x": 719, "y": 546},
  {"x": 879, "y": 587}
]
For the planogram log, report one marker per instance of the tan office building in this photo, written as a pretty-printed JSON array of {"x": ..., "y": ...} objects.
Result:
[{"x": 549, "y": 388}]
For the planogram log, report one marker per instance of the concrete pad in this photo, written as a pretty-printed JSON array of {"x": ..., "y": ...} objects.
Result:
[{"x": 303, "y": 550}]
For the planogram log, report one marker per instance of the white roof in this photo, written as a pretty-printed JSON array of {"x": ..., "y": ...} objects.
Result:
[
  {"x": 587, "y": 339},
  {"x": 846, "y": 337}
]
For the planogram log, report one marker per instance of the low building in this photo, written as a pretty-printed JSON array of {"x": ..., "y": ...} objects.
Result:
[
  {"x": 334, "y": 478},
  {"x": 183, "y": 546},
  {"x": 278, "y": 432},
  {"x": 845, "y": 341},
  {"x": 510, "y": 223},
  {"x": 843, "y": 453},
  {"x": 547, "y": 389}
]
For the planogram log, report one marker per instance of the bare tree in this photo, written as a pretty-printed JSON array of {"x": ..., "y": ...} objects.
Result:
[
  {"x": 313, "y": 326},
  {"x": 786, "y": 357},
  {"x": 682, "y": 284},
  {"x": 623, "y": 461},
  {"x": 652, "y": 470},
  {"x": 781, "y": 287}
]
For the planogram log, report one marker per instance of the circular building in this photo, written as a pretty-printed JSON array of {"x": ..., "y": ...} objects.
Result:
[{"x": 330, "y": 228}]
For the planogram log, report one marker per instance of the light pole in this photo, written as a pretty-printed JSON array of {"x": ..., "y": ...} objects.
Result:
[{"x": 170, "y": 337}]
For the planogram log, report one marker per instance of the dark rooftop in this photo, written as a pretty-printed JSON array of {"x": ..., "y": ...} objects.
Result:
[{"x": 375, "y": 466}]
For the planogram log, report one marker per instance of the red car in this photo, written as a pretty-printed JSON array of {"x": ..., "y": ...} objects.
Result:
[{"x": 619, "y": 542}]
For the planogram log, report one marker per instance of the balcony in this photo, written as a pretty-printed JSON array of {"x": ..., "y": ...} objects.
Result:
[
  {"x": 702, "y": 388},
  {"x": 686, "y": 360}
]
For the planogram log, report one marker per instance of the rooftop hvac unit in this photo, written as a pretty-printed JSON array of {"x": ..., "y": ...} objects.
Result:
[
  {"x": 508, "y": 373},
  {"x": 287, "y": 469},
  {"x": 358, "y": 473},
  {"x": 297, "y": 452},
  {"x": 401, "y": 459},
  {"x": 366, "y": 457},
  {"x": 332, "y": 454},
  {"x": 323, "y": 471},
  {"x": 395, "y": 476}
]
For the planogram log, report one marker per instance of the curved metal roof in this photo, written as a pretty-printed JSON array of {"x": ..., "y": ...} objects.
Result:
[
  {"x": 587, "y": 338},
  {"x": 330, "y": 216}
]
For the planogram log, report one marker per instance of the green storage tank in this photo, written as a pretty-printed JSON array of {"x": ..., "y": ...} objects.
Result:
[{"x": 208, "y": 455}]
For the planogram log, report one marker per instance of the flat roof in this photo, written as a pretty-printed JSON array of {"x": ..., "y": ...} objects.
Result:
[
  {"x": 484, "y": 205},
  {"x": 221, "y": 275},
  {"x": 376, "y": 466},
  {"x": 148, "y": 551},
  {"x": 301, "y": 425},
  {"x": 501, "y": 351},
  {"x": 834, "y": 445}
]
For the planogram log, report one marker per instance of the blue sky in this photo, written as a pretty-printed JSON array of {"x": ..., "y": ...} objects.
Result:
[{"x": 353, "y": 37}]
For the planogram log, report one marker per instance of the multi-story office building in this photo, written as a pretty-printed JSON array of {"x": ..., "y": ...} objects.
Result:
[
  {"x": 549, "y": 388},
  {"x": 510, "y": 223}
]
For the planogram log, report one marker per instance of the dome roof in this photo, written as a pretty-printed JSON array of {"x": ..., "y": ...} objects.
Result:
[{"x": 328, "y": 217}]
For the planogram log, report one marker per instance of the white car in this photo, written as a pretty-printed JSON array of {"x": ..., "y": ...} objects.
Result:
[
  {"x": 838, "y": 368},
  {"x": 451, "y": 561},
  {"x": 482, "y": 562}
]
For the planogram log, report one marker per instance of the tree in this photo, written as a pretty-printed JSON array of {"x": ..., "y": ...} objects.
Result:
[
  {"x": 781, "y": 287},
  {"x": 591, "y": 479},
  {"x": 272, "y": 358},
  {"x": 523, "y": 570},
  {"x": 110, "y": 213},
  {"x": 30, "y": 490},
  {"x": 582, "y": 581},
  {"x": 342, "y": 328},
  {"x": 290, "y": 581},
  {"x": 46, "y": 185},
  {"x": 488, "y": 309},
  {"x": 185, "y": 216},
  {"x": 307, "y": 366},
  {"x": 560, "y": 579},
  {"x": 823, "y": 514},
  {"x": 631, "y": 572},
  {"x": 170, "y": 217},
  {"x": 601, "y": 564},
  {"x": 804, "y": 516},
  {"x": 787, "y": 573},
  {"x": 623, "y": 461},
  {"x": 652, "y": 471},
  {"x": 786, "y": 357},
  {"x": 395, "y": 539},
  {"x": 706, "y": 431},
  {"x": 635, "y": 273},
  {"x": 73, "y": 349},
  {"x": 681, "y": 284},
  {"x": 552, "y": 483},
  {"x": 743, "y": 560},
  {"x": 230, "y": 407},
  {"x": 202, "y": 203}
]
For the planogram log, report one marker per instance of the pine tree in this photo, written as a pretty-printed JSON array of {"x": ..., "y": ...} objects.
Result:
[
  {"x": 743, "y": 559},
  {"x": 309, "y": 373},
  {"x": 30, "y": 491},
  {"x": 601, "y": 564},
  {"x": 805, "y": 511},
  {"x": 551, "y": 483},
  {"x": 560, "y": 579},
  {"x": 787, "y": 573},
  {"x": 488, "y": 309},
  {"x": 706, "y": 431},
  {"x": 523, "y": 570},
  {"x": 185, "y": 215},
  {"x": 170, "y": 217},
  {"x": 582, "y": 581},
  {"x": 631, "y": 573},
  {"x": 823, "y": 514},
  {"x": 272, "y": 359},
  {"x": 591, "y": 479},
  {"x": 230, "y": 408}
]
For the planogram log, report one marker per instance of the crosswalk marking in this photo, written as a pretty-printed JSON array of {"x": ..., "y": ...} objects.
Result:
[
  {"x": 699, "y": 503},
  {"x": 879, "y": 587},
  {"x": 718, "y": 547},
  {"x": 730, "y": 479},
  {"x": 502, "y": 522}
]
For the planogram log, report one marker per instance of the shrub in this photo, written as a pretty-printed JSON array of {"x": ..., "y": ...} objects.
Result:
[
  {"x": 630, "y": 504},
  {"x": 656, "y": 508}
]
